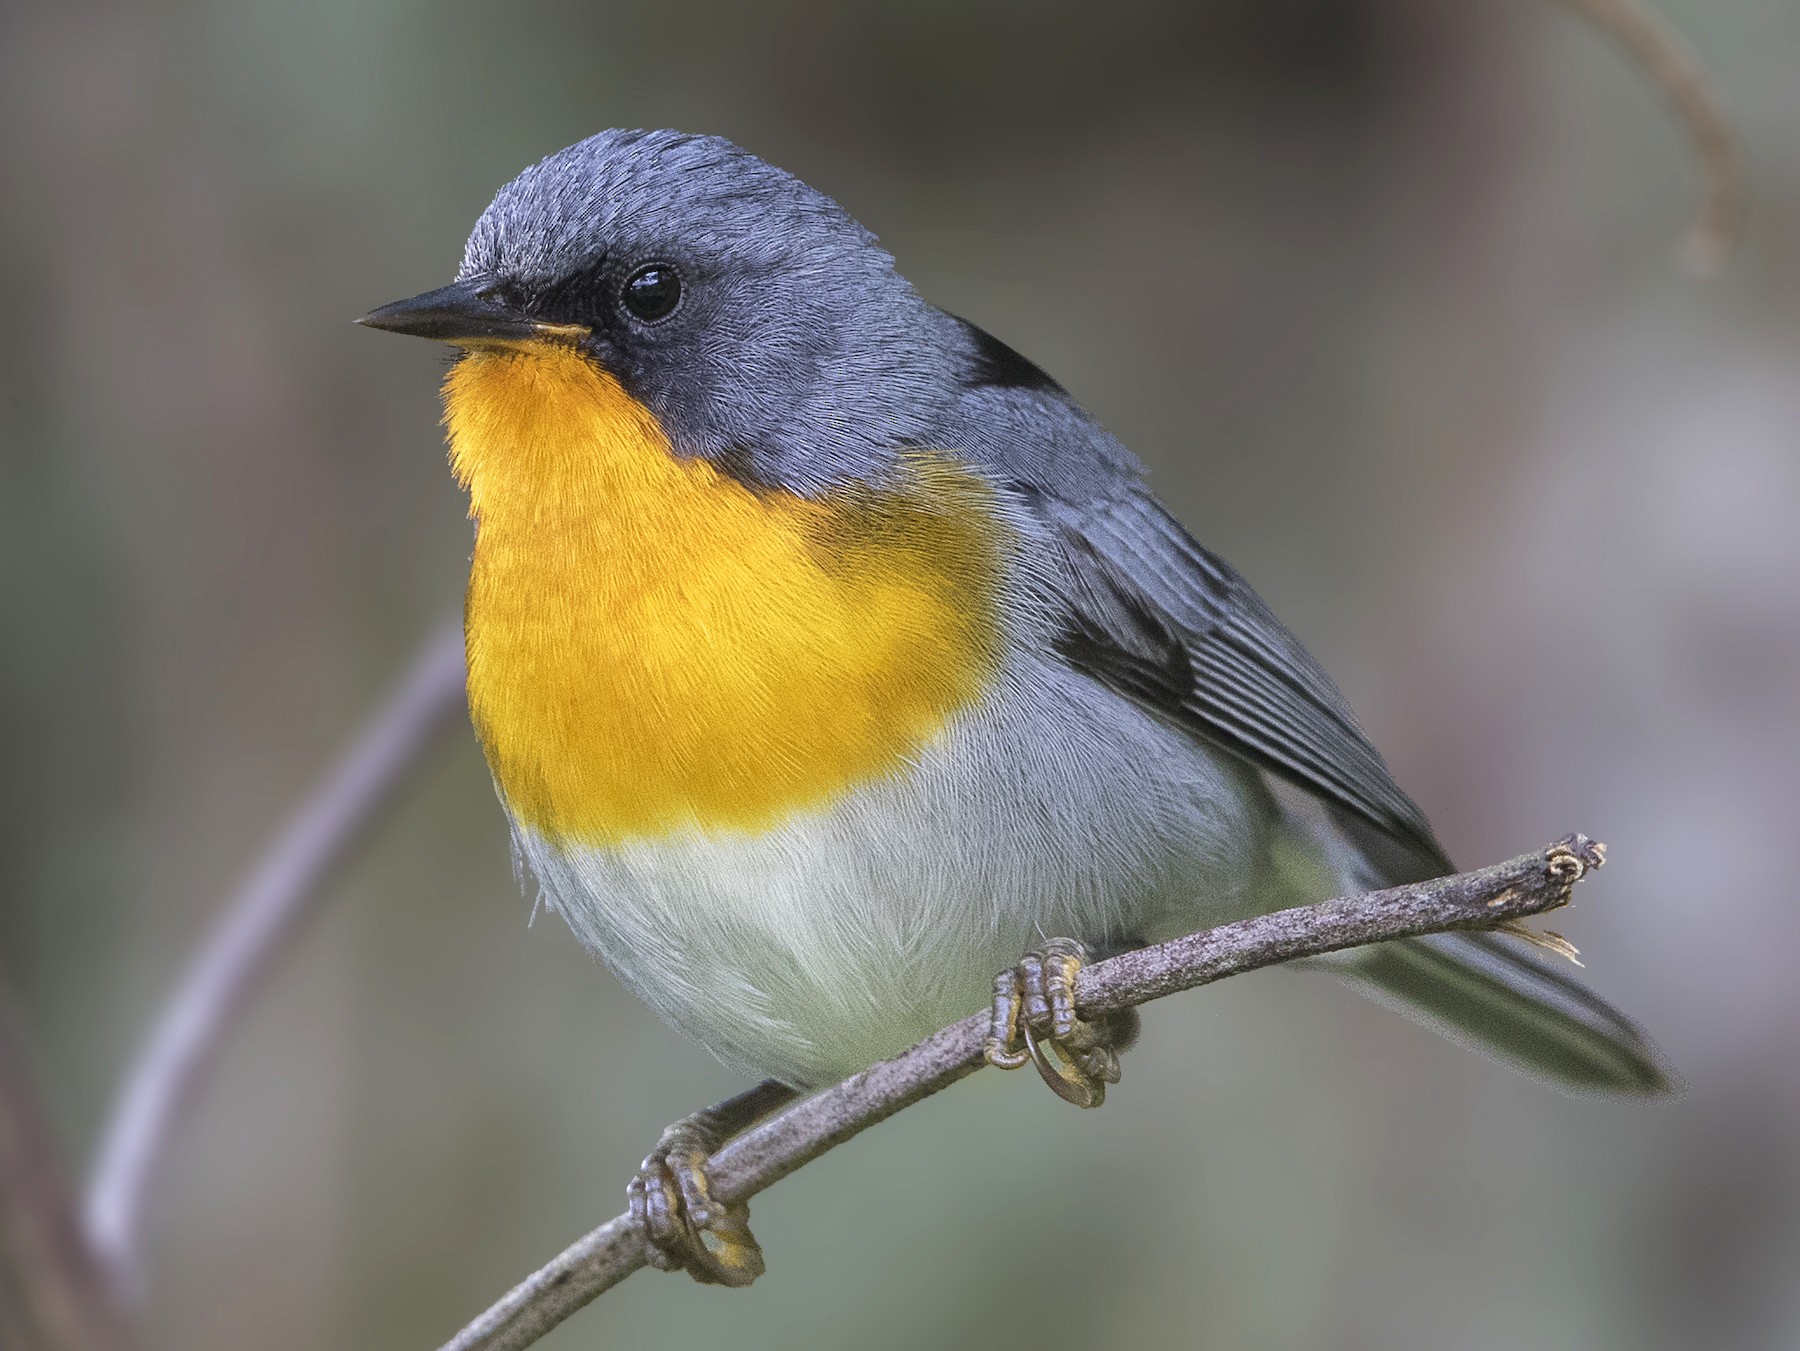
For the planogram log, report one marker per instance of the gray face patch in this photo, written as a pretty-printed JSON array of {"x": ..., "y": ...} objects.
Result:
[{"x": 796, "y": 356}]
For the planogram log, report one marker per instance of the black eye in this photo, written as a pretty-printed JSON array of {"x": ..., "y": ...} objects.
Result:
[{"x": 652, "y": 292}]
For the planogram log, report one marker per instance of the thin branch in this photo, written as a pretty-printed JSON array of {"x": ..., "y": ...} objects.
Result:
[
  {"x": 1654, "y": 48},
  {"x": 762, "y": 1156},
  {"x": 259, "y": 915},
  {"x": 53, "y": 1297}
]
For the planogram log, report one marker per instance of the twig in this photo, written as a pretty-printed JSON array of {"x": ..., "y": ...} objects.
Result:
[
  {"x": 182, "y": 1042},
  {"x": 1655, "y": 49},
  {"x": 762, "y": 1156},
  {"x": 52, "y": 1295}
]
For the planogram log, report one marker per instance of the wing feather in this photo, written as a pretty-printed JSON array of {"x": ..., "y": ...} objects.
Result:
[{"x": 1170, "y": 624}]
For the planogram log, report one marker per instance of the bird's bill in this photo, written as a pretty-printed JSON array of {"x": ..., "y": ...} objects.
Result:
[{"x": 466, "y": 314}]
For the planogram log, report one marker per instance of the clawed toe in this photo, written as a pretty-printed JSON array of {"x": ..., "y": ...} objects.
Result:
[
  {"x": 1033, "y": 1018},
  {"x": 686, "y": 1226}
]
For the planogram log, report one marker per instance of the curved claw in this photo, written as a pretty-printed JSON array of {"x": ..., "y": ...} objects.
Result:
[{"x": 1068, "y": 1080}]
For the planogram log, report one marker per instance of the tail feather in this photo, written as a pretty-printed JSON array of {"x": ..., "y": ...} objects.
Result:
[
  {"x": 1490, "y": 992},
  {"x": 1486, "y": 990}
]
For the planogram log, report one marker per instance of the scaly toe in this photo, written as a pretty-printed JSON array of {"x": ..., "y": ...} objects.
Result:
[
  {"x": 1001, "y": 1048},
  {"x": 1047, "y": 980},
  {"x": 686, "y": 1227}
]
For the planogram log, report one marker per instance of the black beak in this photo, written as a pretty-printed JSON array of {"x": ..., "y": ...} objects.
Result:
[{"x": 465, "y": 313}]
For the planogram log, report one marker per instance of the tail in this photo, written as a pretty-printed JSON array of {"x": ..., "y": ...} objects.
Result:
[{"x": 1486, "y": 990}]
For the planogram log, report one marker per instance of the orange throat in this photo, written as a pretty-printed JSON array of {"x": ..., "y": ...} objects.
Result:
[{"x": 655, "y": 647}]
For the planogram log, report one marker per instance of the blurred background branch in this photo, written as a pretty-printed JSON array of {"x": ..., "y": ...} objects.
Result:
[
  {"x": 185, "y": 1037},
  {"x": 53, "y": 1295},
  {"x": 1501, "y": 895},
  {"x": 1655, "y": 49}
]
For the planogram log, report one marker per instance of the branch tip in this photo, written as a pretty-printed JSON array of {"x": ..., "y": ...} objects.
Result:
[{"x": 1571, "y": 858}]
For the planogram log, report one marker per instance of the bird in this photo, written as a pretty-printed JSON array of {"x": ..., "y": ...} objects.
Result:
[{"x": 841, "y": 676}]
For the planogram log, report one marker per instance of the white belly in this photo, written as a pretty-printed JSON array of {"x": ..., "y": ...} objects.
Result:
[{"x": 842, "y": 937}]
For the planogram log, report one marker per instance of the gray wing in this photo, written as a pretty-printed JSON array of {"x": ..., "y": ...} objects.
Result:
[
  {"x": 1152, "y": 614},
  {"x": 1164, "y": 621},
  {"x": 1146, "y": 611}
]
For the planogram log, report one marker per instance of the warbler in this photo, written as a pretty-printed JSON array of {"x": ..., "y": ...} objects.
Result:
[{"x": 828, "y": 656}]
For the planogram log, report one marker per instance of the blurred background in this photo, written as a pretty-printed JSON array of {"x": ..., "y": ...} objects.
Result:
[{"x": 1384, "y": 291}]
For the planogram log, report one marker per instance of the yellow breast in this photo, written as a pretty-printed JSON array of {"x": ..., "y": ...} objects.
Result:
[{"x": 654, "y": 646}]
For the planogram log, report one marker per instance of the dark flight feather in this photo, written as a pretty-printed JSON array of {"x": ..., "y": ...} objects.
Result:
[{"x": 1172, "y": 624}]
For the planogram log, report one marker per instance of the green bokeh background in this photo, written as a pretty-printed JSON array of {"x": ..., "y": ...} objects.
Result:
[{"x": 1385, "y": 293}]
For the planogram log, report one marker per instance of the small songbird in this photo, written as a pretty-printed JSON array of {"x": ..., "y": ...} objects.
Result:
[{"x": 828, "y": 656}]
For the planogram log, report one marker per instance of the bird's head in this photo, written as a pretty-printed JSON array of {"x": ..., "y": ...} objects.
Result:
[{"x": 763, "y": 328}]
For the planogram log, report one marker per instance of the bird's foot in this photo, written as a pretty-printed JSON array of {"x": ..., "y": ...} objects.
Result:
[
  {"x": 671, "y": 1200},
  {"x": 1034, "y": 1019}
]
